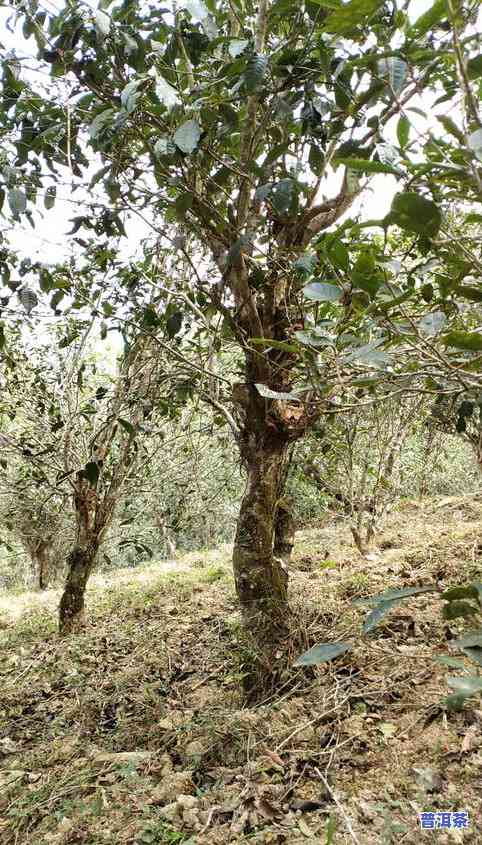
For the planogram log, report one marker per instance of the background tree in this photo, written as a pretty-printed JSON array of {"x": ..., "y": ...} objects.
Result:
[
  {"x": 39, "y": 523},
  {"x": 78, "y": 433}
]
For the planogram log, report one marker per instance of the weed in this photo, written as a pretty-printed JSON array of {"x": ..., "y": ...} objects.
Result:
[{"x": 214, "y": 573}]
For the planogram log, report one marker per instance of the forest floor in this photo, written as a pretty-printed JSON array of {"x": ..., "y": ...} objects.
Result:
[{"x": 135, "y": 731}]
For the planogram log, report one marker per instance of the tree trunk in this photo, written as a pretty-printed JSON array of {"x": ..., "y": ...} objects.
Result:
[
  {"x": 71, "y": 610},
  {"x": 43, "y": 568},
  {"x": 171, "y": 546},
  {"x": 284, "y": 531},
  {"x": 261, "y": 577},
  {"x": 39, "y": 555}
]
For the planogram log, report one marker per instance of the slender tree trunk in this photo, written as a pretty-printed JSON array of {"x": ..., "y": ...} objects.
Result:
[
  {"x": 261, "y": 577},
  {"x": 171, "y": 546},
  {"x": 43, "y": 568},
  {"x": 80, "y": 564}
]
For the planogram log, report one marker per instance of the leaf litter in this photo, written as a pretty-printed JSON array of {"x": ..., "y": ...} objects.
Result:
[{"x": 135, "y": 730}]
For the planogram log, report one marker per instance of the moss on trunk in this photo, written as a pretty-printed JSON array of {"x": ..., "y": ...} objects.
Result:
[
  {"x": 284, "y": 532},
  {"x": 261, "y": 577},
  {"x": 71, "y": 610}
]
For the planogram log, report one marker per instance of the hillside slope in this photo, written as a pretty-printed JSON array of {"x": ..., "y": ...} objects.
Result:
[{"x": 135, "y": 730}]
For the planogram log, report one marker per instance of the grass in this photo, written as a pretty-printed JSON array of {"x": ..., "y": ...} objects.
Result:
[{"x": 156, "y": 676}]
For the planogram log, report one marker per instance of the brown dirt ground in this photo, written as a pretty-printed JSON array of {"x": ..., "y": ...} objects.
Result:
[{"x": 134, "y": 731}]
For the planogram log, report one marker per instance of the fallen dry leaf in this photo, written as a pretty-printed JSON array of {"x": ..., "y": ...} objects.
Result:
[
  {"x": 274, "y": 757},
  {"x": 471, "y": 739}
]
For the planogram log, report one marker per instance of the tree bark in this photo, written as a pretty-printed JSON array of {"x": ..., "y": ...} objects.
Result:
[
  {"x": 284, "y": 531},
  {"x": 261, "y": 577},
  {"x": 41, "y": 564},
  {"x": 71, "y": 610},
  {"x": 43, "y": 568}
]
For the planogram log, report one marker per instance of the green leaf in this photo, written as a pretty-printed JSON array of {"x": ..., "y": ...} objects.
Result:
[
  {"x": 361, "y": 165},
  {"x": 150, "y": 318},
  {"x": 453, "y": 662},
  {"x": 455, "y": 609},
  {"x": 403, "y": 131},
  {"x": 187, "y": 136},
  {"x": 236, "y": 47},
  {"x": 310, "y": 339},
  {"x": 17, "y": 201},
  {"x": 28, "y": 298},
  {"x": 454, "y": 702},
  {"x": 432, "y": 323},
  {"x": 395, "y": 70},
  {"x": 330, "y": 828},
  {"x": 471, "y": 341},
  {"x": 174, "y": 323},
  {"x": 131, "y": 45},
  {"x": 369, "y": 354},
  {"x": 255, "y": 72},
  {"x": 100, "y": 122},
  {"x": 391, "y": 595},
  {"x": 91, "y": 472},
  {"x": 430, "y": 18},
  {"x": 465, "y": 686},
  {"x": 129, "y": 99},
  {"x": 263, "y": 191},
  {"x": 266, "y": 391},
  {"x": 282, "y": 195},
  {"x": 474, "y": 67},
  {"x": 470, "y": 293},
  {"x": 56, "y": 298},
  {"x": 415, "y": 213},
  {"x": 376, "y": 615},
  {"x": 49, "y": 198},
  {"x": 68, "y": 339},
  {"x": 478, "y": 586},
  {"x": 196, "y": 8},
  {"x": 470, "y": 640},
  {"x": 475, "y": 143},
  {"x": 305, "y": 264},
  {"x": 316, "y": 159},
  {"x": 321, "y": 653},
  {"x": 327, "y": 4},
  {"x": 451, "y": 127},
  {"x": 453, "y": 593},
  {"x": 184, "y": 203},
  {"x": 474, "y": 653},
  {"x": 346, "y": 19},
  {"x": 102, "y": 24},
  {"x": 166, "y": 93},
  {"x": 126, "y": 425},
  {"x": 163, "y": 147},
  {"x": 322, "y": 292},
  {"x": 339, "y": 254}
]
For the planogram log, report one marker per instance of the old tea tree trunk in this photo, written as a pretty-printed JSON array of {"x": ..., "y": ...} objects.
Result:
[
  {"x": 261, "y": 577},
  {"x": 265, "y": 531},
  {"x": 92, "y": 518}
]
